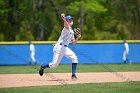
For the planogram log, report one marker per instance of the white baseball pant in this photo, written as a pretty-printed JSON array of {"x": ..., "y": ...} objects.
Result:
[
  {"x": 32, "y": 57},
  {"x": 125, "y": 55},
  {"x": 59, "y": 52}
]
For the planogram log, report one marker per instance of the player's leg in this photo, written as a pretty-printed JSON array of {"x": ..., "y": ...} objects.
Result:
[
  {"x": 71, "y": 55},
  {"x": 55, "y": 61},
  {"x": 57, "y": 57},
  {"x": 124, "y": 57},
  {"x": 30, "y": 62},
  {"x": 127, "y": 60},
  {"x": 33, "y": 58}
]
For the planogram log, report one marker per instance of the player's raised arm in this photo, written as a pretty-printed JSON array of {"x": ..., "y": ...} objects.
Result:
[{"x": 66, "y": 25}]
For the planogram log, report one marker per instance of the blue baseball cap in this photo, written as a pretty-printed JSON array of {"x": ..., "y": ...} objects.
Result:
[{"x": 68, "y": 18}]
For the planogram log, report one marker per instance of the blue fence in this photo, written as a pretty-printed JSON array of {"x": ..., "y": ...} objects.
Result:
[{"x": 87, "y": 53}]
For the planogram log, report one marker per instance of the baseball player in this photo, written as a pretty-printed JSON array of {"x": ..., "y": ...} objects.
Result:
[
  {"x": 32, "y": 53},
  {"x": 61, "y": 47},
  {"x": 126, "y": 52}
]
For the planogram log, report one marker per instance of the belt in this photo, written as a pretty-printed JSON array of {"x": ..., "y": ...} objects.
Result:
[{"x": 63, "y": 45}]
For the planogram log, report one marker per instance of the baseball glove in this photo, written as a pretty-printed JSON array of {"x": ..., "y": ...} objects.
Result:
[{"x": 77, "y": 31}]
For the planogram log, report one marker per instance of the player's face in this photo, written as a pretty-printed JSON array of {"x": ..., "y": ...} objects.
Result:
[{"x": 70, "y": 22}]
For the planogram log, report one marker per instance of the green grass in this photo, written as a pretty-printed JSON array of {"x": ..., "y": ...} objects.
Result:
[
  {"x": 67, "y": 68},
  {"x": 132, "y": 87}
]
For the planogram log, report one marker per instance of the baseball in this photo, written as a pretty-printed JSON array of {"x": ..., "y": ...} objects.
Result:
[{"x": 62, "y": 14}]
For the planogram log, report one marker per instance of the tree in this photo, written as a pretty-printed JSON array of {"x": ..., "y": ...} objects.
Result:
[
  {"x": 98, "y": 19},
  {"x": 92, "y": 9}
]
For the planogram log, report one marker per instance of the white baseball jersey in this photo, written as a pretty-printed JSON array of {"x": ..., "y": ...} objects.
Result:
[
  {"x": 67, "y": 35},
  {"x": 126, "y": 47},
  {"x": 32, "y": 48}
]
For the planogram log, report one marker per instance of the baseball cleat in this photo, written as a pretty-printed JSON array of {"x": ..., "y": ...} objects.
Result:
[
  {"x": 41, "y": 71},
  {"x": 73, "y": 77}
]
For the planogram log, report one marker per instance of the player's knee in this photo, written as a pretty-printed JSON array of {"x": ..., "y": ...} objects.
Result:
[{"x": 75, "y": 60}]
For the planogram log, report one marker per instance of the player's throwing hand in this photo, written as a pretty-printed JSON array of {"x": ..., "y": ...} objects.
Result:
[{"x": 63, "y": 16}]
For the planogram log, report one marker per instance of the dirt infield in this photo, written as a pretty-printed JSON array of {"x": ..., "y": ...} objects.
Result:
[{"x": 20, "y": 80}]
